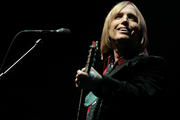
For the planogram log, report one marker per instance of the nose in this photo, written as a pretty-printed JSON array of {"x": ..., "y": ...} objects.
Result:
[{"x": 125, "y": 20}]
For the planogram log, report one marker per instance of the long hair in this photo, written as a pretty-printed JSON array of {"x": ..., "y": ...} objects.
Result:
[{"x": 106, "y": 43}]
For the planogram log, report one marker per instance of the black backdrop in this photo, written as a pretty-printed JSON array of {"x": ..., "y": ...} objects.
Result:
[{"x": 42, "y": 85}]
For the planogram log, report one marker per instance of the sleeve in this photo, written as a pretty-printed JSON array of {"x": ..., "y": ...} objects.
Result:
[{"x": 145, "y": 78}]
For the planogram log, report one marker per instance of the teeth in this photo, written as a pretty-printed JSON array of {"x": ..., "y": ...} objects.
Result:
[{"x": 123, "y": 29}]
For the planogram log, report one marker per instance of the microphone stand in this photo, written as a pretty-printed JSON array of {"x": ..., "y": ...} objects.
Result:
[{"x": 36, "y": 43}]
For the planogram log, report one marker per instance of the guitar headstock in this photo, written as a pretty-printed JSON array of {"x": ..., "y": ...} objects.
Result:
[{"x": 92, "y": 55}]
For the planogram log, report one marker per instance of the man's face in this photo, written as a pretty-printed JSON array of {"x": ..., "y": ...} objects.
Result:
[{"x": 124, "y": 26}]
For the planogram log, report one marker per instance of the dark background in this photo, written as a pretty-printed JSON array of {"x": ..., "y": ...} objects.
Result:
[{"x": 42, "y": 85}]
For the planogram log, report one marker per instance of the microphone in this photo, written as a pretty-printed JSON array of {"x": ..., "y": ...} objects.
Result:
[{"x": 61, "y": 30}]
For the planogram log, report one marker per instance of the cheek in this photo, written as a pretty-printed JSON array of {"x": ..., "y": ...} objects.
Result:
[
  {"x": 112, "y": 27},
  {"x": 135, "y": 30},
  {"x": 111, "y": 30},
  {"x": 111, "y": 33}
]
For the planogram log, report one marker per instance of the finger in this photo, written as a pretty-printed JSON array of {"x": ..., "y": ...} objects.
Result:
[
  {"x": 83, "y": 69},
  {"x": 77, "y": 75},
  {"x": 76, "y": 85},
  {"x": 79, "y": 72},
  {"x": 76, "y": 80}
]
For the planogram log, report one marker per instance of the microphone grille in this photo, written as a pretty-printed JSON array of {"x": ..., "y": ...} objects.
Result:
[{"x": 63, "y": 30}]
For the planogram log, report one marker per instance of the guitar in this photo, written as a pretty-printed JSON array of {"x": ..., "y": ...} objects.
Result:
[{"x": 90, "y": 62}]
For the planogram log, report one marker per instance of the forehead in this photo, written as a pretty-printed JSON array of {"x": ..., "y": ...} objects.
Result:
[{"x": 129, "y": 9}]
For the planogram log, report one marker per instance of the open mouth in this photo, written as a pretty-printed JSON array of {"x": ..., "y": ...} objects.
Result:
[{"x": 123, "y": 30}]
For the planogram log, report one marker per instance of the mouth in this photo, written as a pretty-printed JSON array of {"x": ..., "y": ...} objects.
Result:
[{"x": 123, "y": 30}]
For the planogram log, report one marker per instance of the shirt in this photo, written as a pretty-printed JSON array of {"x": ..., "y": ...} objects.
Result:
[{"x": 110, "y": 65}]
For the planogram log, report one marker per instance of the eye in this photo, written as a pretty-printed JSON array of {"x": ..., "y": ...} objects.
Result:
[
  {"x": 132, "y": 17},
  {"x": 119, "y": 15}
]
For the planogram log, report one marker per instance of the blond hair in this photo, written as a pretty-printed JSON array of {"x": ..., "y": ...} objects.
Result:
[{"x": 105, "y": 42}]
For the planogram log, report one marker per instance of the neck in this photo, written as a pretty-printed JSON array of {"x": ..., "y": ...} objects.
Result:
[
  {"x": 117, "y": 50},
  {"x": 122, "y": 50},
  {"x": 117, "y": 55}
]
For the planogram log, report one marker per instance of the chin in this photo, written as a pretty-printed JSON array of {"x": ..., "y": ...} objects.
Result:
[{"x": 123, "y": 37}]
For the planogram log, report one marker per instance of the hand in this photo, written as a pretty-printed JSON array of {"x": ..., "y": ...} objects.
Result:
[
  {"x": 87, "y": 81},
  {"x": 81, "y": 74}
]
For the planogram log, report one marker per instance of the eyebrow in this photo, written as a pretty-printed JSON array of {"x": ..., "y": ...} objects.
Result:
[{"x": 120, "y": 13}]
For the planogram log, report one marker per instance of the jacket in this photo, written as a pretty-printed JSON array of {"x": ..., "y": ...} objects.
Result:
[{"x": 139, "y": 76}]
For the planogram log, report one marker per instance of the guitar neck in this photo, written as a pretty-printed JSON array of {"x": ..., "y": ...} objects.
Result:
[
  {"x": 91, "y": 56},
  {"x": 89, "y": 64}
]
